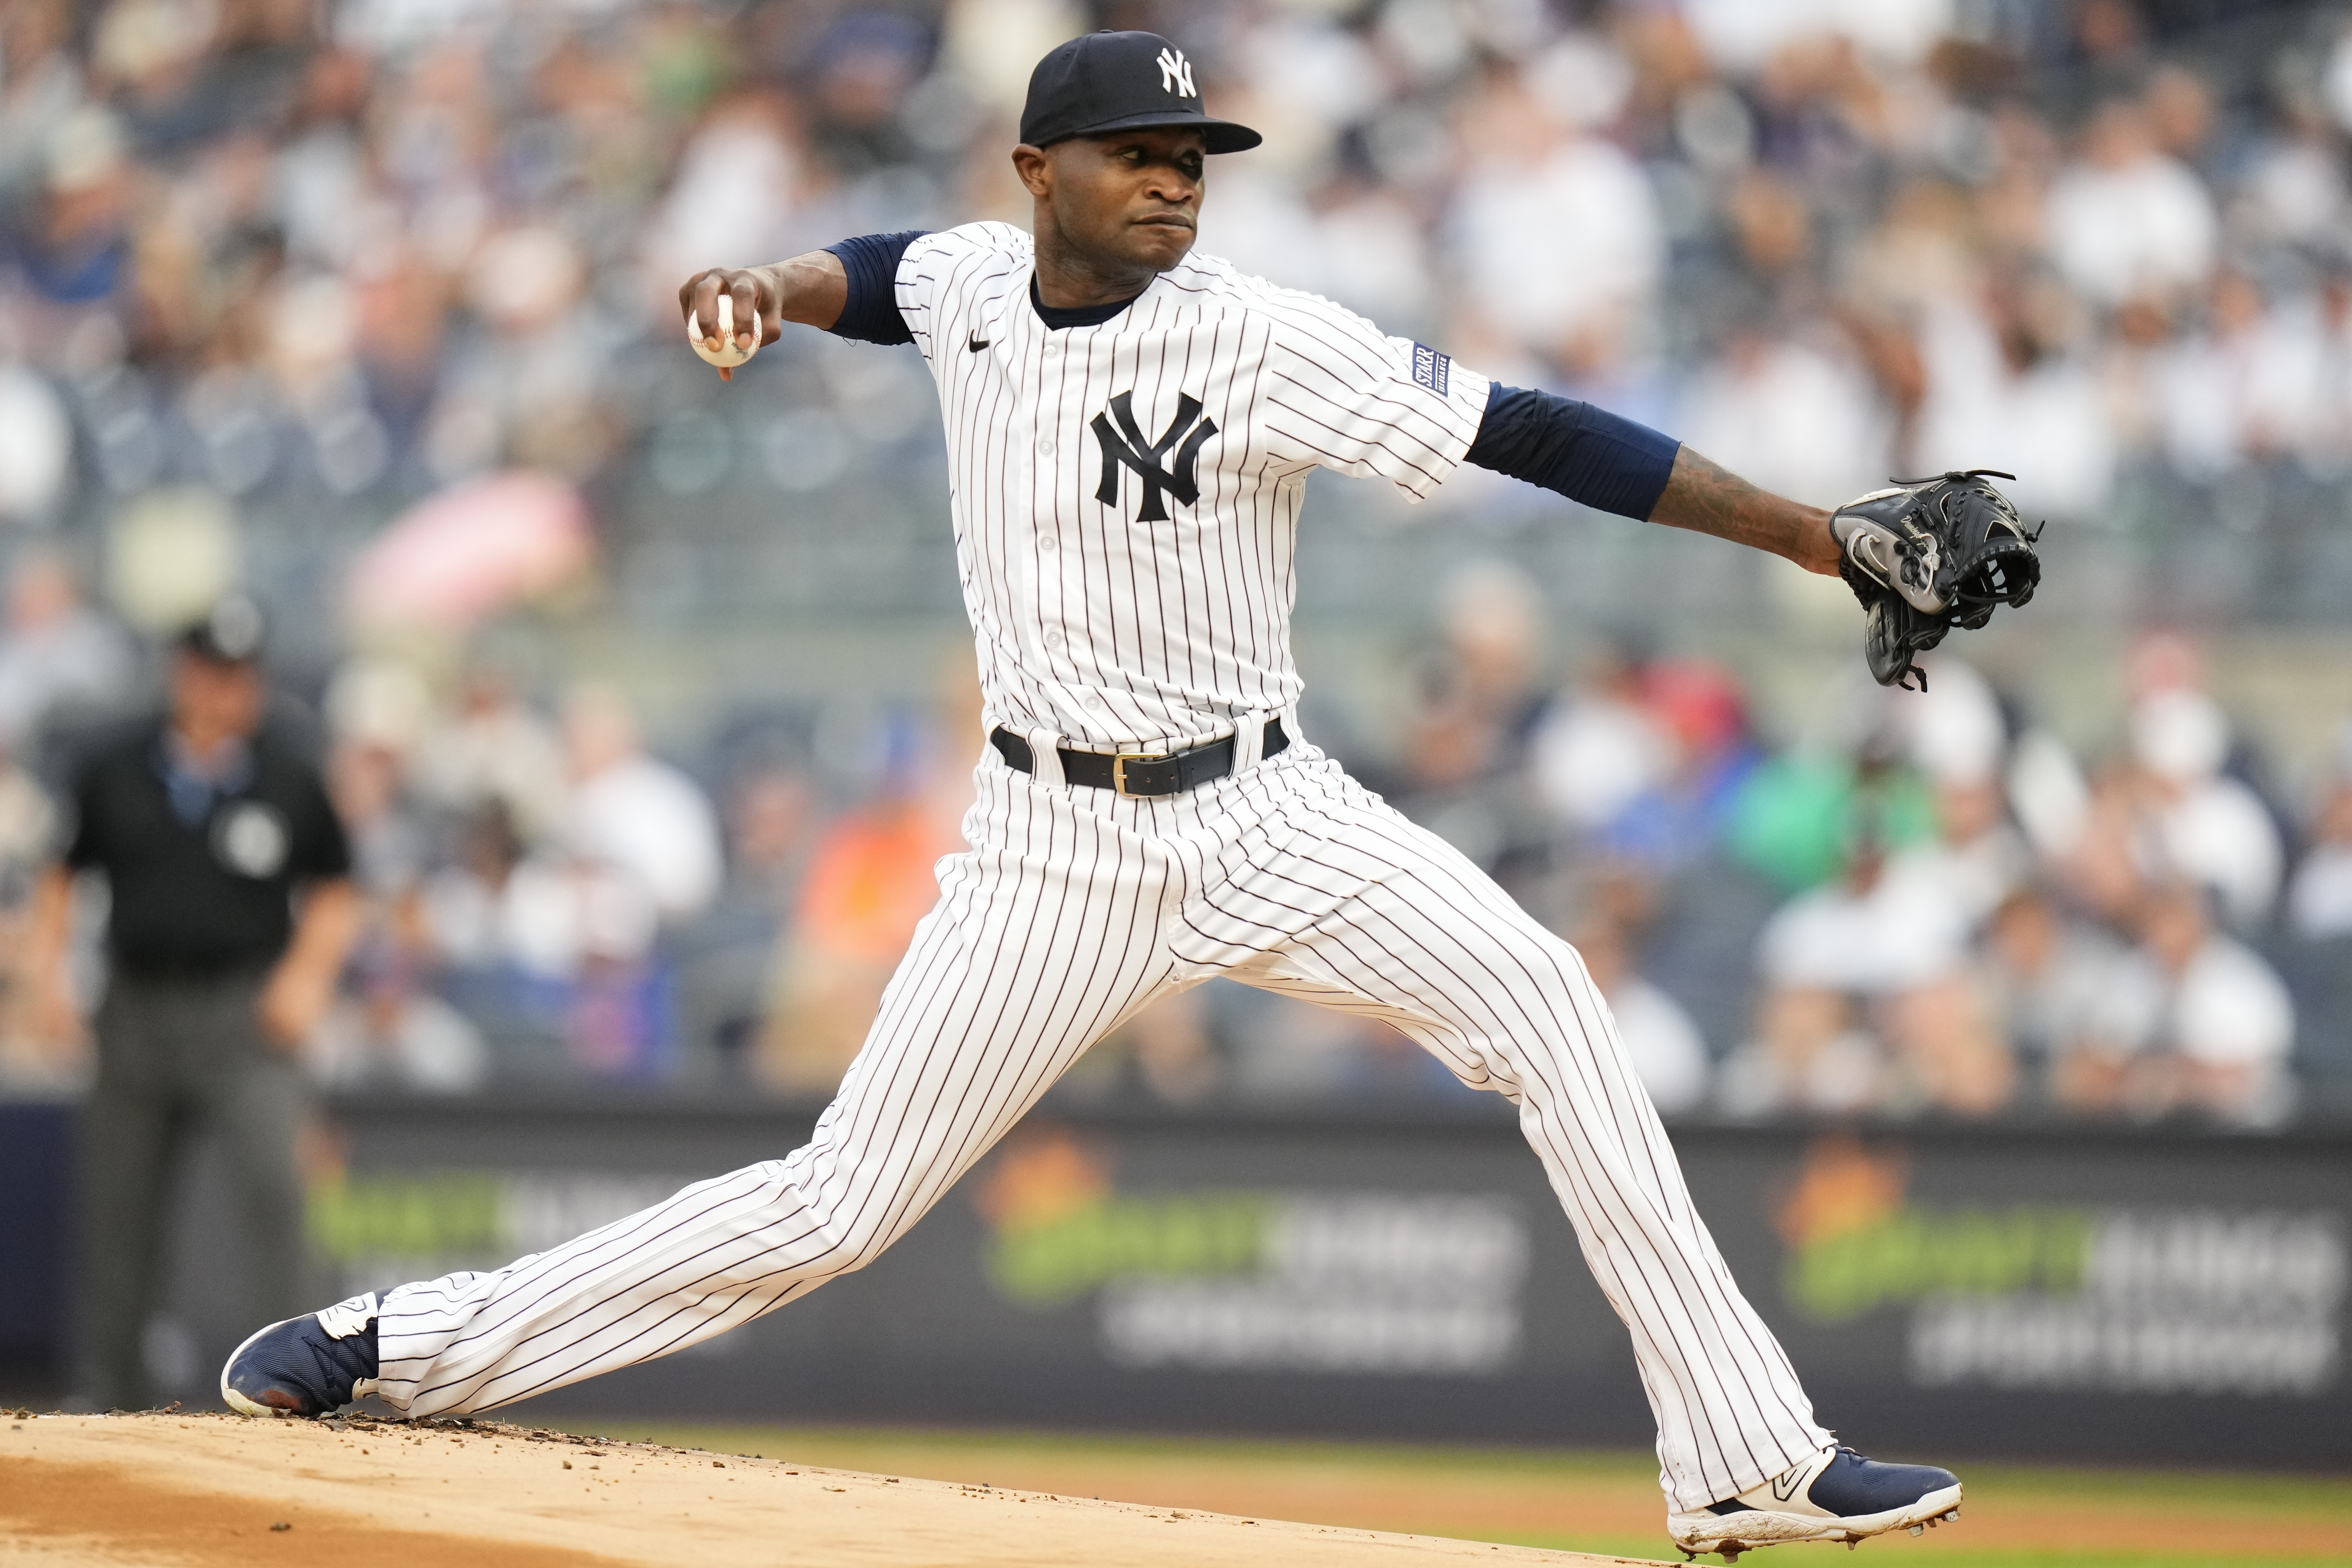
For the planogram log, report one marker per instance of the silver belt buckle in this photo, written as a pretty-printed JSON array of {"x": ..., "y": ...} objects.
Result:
[{"x": 1118, "y": 771}]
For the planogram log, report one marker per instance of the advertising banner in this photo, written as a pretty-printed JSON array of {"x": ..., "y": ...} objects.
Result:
[{"x": 2118, "y": 1296}]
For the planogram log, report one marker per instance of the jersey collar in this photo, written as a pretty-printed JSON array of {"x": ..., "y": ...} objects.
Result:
[{"x": 1058, "y": 318}]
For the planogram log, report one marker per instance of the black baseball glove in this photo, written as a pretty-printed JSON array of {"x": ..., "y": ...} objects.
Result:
[{"x": 1927, "y": 555}]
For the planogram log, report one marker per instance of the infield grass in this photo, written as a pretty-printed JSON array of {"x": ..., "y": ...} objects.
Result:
[{"x": 2015, "y": 1516}]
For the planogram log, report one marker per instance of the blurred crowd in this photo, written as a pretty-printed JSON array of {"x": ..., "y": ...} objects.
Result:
[
  {"x": 1916, "y": 904},
  {"x": 1923, "y": 903},
  {"x": 405, "y": 270},
  {"x": 368, "y": 248},
  {"x": 546, "y": 900}
]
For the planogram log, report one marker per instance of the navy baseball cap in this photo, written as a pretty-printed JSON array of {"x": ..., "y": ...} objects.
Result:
[{"x": 1101, "y": 82}]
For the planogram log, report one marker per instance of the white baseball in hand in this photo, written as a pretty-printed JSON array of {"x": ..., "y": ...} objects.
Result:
[{"x": 727, "y": 354}]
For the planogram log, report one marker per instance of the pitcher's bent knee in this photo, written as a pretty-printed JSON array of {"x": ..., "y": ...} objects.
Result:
[{"x": 842, "y": 1239}]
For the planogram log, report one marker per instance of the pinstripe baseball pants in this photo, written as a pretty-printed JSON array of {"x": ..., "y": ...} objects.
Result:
[{"x": 1072, "y": 909}]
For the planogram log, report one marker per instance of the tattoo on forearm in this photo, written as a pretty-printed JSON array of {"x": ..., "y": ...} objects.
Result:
[{"x": 1705, "y": 496}]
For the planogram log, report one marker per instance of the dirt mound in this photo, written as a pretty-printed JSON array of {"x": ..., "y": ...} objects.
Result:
[{"x": 172, "y": 1488}]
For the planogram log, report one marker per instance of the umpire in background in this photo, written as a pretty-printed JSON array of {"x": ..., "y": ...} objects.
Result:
[{"x": 231, "y": 909}]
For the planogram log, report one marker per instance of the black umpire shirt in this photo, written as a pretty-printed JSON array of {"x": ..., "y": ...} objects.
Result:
[{"x": 203, "y": 884}]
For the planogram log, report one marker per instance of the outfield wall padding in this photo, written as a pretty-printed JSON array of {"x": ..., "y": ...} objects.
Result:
[{"x": 2060, "y": 1293}]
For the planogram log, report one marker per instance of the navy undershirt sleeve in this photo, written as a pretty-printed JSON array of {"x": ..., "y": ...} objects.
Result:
[
  {"x": 1586, "y": 454},
  {"x": 871, "y": 261}
]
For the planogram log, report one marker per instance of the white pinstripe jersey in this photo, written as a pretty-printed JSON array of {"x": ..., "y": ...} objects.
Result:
[{"x": 1126, "y": 496}]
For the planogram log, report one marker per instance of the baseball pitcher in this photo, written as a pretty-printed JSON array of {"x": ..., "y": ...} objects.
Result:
[{"x": 1129, "y": 430}]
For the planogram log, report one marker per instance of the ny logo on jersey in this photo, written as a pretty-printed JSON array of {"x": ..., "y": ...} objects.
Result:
[
  {"x": 1176, "y": 74},
  {"x": 1126, "y": 445}
]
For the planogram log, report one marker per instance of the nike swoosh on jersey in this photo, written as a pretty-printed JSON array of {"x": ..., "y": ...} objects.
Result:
[{"x": 975, "y": 342}]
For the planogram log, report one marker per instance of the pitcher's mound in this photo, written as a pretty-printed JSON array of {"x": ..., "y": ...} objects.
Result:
[{"x": 169, "y": 1489}]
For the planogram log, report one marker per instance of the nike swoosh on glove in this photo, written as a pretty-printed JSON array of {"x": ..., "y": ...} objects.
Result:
[{"x": 1924, "y": 556}]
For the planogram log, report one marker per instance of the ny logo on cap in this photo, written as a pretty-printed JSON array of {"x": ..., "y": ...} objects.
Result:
[
  {"x": 1176, "y": 74},
  {"x": 1178, "y": 480}
]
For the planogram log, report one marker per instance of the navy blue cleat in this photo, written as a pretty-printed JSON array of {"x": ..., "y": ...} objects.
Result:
[
  {"x": 1834, "y": 1495},
  {"x": 310, "y": 1366}
]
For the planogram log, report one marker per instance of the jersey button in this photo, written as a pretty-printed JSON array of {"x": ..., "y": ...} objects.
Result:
[
  {"x": 1054, "y": 639},
  {"x": 1049, "y": 542},
  {"x": 1052, "y": 348},
  {"x": 1095, "y": 702},
  {"x": 1046, "y": 446}
]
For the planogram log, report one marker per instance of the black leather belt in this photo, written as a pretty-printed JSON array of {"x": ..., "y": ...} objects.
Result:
[{"x": 1136, "y": 772}]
